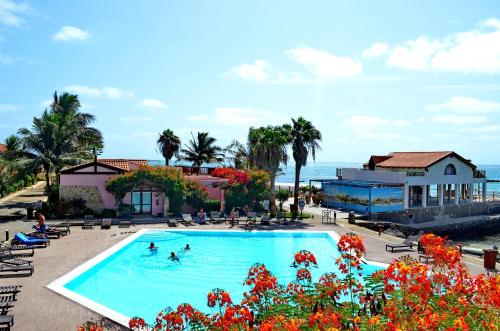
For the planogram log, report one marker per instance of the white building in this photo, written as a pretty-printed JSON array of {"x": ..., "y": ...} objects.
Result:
[{"x": 429, "y": 178}]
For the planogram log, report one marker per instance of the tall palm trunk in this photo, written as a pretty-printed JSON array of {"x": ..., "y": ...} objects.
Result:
[
  {"x": 272, "y": 200},
  {"x": 166, "y": 162},
  {"x": 298, "y": 166},
  {"x": 46, "y": 169}
]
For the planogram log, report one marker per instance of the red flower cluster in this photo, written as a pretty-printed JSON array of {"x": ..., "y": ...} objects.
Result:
[
  {"x": 218, "y": 298},
  {"x": 137, "y": 323},
  {"x": 234, "y": 175},
  {"x": 305, "y": 258}
]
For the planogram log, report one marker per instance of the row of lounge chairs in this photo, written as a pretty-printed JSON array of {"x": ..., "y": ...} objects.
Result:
[
  {"x": 408, "y": 244},
  {"x": 7, "y": 298},
  {"x": 89, "y": 223},
  {"x": 218, "y": 218}
]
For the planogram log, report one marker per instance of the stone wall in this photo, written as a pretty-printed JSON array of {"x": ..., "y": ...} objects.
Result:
[
  {"x": 429, "y": 214},
  {"x": 90, "y": 194}
]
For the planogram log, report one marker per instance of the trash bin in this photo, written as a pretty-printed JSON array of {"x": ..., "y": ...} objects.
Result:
[
  {"x": 490, "y": 258},
  {"x": 29, "y": 213}
]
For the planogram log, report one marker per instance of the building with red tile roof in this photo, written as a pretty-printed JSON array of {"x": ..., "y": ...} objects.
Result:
[
  {"x": 405, "y": 180},
  {"x": 3, "y": 148},
  {"x": 88, "y": 182}
]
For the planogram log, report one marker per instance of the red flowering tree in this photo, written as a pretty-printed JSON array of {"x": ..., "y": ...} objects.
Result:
[
  {"x": 405, "y": 296},
  {"x": 244, "y": 188}
]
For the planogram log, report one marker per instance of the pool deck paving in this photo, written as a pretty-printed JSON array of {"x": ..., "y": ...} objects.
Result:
[{"x": 39, "y": 308}]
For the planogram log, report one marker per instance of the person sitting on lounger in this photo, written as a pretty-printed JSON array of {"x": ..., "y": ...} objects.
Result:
[
  {"x": 40, "y": 227},
  {"x": 202, "y": 216},
  {"x": 173, "y": 257},
  {"x": 152, "y": 248}
]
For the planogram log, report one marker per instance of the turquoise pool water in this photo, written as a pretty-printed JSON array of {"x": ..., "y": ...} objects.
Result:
[{"x": 133, "y": 281}]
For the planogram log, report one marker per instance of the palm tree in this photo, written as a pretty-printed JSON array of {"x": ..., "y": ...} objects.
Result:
[
  {"x": 74, "y": 128},
  {"x": 168, "y": 145},
  {"x": 39, "y": 145},
  {"x": 305, "y": 141},
  {"x": 13, "y": 147},
  {"x": 61, "y": 136},
  {"x": 241, "y": 155},
  {"x": 268, "y": 146},
  {"x": 202, "y": 149}
]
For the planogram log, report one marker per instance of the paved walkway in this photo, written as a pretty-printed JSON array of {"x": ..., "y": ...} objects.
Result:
[
  {"x": 38, "y": 308},
  {"x": 13, "y": 206}
]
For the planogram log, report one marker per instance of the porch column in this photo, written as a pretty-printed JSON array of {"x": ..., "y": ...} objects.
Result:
[
  {"x": 457, "y": 194},
  {"x": 406, "y": 197},
  {"x": 441, "y": 194},
  {"x": 424, "y": 196},
  {"x": 471, "y": 192},
  {"x": 484, "y": 192}
]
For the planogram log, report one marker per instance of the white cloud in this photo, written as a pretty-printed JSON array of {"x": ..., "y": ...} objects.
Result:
[
  {"x": 465, "y": 105},
  {"x": 459, "y": 119},
  {"x": 324, "y": 64},
  {"x": 376, "y": 50},
  {"x": 96, "y": 92},
  {"x": 481, "y": 129},
  {"x": 152, "y": 103},
  {"x": 8, "y": 107},
  {"x": 11, "y": 12},
  {"x": 413, "y": 54},
  {"x": 135, "y": 119},
  {"x": 86, "y": 106},
  {"x": 374, "y": 127},
  {"x": 71, "y": 33},
  {"x": 240, "y": 117},
  {"x": 257, "y": 71},
  {"x": 475, "y": 51}
]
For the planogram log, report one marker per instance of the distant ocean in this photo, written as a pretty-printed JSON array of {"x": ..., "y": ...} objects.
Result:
[{"x": 327, "y": 170}]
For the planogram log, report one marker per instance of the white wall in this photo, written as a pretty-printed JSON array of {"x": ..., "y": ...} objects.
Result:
[
  {"x": 435, "y": 174},
  {"x": 370, "y": 175}
]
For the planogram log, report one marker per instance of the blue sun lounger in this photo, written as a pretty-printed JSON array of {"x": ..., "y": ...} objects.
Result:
[{"x": 25, "y": 240}]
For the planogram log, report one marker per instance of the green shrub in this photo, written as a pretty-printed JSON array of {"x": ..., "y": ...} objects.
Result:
[
  {"x": 211, "y": 205},
  {"x": 108, "y": 213},
  {"x": 282, "y": 195}
]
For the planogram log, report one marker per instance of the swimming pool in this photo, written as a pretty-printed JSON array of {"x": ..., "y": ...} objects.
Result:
[{"x": 128, "y": 280}]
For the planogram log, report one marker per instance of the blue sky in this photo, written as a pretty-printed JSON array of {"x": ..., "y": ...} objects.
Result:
[{"x": 374, "y": 77}]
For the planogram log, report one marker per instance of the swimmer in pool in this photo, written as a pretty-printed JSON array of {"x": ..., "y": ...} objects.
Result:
[
  {"x": 173, "y": 257},
  {"x": 152, "y": 248}
]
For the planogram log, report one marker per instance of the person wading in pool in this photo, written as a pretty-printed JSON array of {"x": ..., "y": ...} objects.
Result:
[
  {"x": 152, "y": 248},
  {"x": 173, "y": 257}
]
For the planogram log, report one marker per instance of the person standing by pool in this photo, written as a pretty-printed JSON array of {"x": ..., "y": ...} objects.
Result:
[
  {"x": 232, "y": 216},
  {"x": 152, "y": 248}
]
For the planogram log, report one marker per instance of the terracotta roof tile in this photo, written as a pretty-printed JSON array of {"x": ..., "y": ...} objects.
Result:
[
  {"x": 3, "y": 148},
  {"x": 125, "y": 164},
  {"x": 412, "y": 159}
]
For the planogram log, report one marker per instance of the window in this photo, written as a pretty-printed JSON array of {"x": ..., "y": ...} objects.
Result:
[
  {"x": 450, "y": 170},
  {"x": 141, "y": 201}
]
